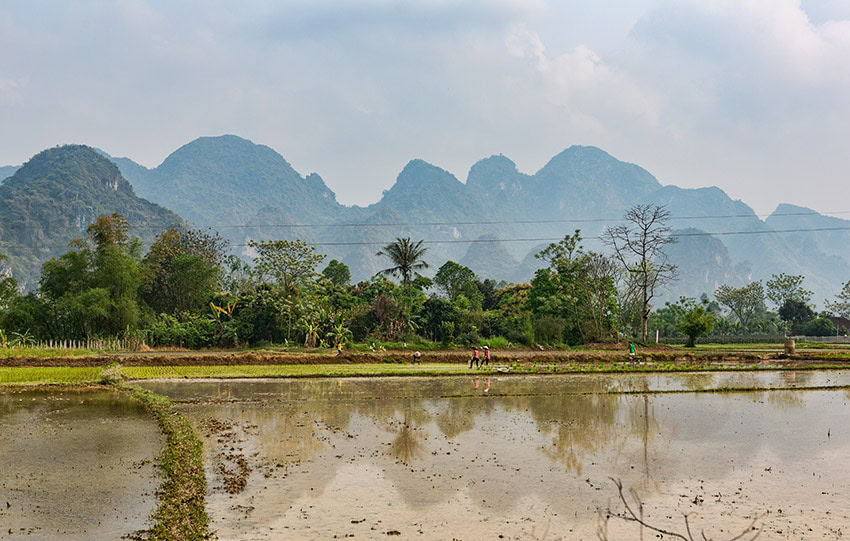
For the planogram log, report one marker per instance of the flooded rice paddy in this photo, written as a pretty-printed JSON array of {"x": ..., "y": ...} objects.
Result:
[
  {"x": 75, "y": 464},
  {"x": 523, "y": 457}
]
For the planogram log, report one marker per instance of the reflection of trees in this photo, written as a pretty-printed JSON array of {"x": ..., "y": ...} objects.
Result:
[
  {"x": 786, "y": 400},
  {"x": 405, "y": 447},
  {"x": 796, "y": 378},
  {"x": 458, "y": 416},
  {"x": 698, "y": 382},
  {"x": 585, "y": 425}
]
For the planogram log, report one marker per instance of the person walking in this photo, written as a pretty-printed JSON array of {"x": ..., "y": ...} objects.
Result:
[
  {"x": 486, "y": 357},
  {"x": 632, "y": 351},
  {"x": 475, "y": 358}
]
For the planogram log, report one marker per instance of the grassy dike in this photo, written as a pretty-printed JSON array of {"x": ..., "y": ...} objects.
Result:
[
  {"x": 83, "y": 374},
  {"x": 181, "y": 513}
]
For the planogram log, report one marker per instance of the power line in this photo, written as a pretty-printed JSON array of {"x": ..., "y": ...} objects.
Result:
[
  {"x": 536, "y": 240},
  {"x": 550, "y": 239},
  {"x": 510, "y": 222}
]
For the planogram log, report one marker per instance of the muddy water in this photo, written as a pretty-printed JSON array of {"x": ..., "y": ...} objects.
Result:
[
  {"x": 522, "y": 458},
  {"x": 75, "y": 465}
]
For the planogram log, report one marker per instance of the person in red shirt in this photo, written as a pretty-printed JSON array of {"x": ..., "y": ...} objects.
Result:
[
  {"x": 486, "y": 356},
  {"x": 475, "y": 358}
]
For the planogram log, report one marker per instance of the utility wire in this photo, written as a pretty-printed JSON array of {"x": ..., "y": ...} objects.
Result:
[
  {"x": 538, "y": 239},
  {"x": 447, "y": 223},
  {"x": 550, "y": 239}
]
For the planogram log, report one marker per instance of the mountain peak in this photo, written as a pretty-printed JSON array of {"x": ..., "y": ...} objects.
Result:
[
  {"x": 70, "y": 165},
  {"x": 419, "y": 173},
  {"x": 493, "y": 170}
]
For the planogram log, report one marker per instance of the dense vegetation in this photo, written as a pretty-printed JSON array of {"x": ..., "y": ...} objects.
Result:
[{"x": 187, "y": 291}]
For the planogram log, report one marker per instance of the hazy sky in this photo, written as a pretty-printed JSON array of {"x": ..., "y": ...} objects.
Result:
[{"x": 749, "y": 95}]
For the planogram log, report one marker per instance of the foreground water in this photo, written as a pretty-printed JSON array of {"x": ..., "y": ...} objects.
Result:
[
  {"x": 75, "y": 465},
  {"x": 523, "y": 457}
]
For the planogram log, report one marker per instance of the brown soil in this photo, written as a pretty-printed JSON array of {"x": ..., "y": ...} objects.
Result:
[
  {"x": 524, "y": 356},
  {"x": 232, "y": 464}
]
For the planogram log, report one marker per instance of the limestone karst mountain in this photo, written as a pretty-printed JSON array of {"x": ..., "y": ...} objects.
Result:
[
  {"x": 249, "y": 191},
  {"x": 53, "y": 198}
]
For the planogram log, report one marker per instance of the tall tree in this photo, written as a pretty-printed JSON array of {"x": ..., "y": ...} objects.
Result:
[
  {"x": 453, "y": 277},
  {"x": 638, "y": 246},
  {"x": 745, "y": 302},
  {"x": 407, "y": 258},
  {"x": 782, "y": 288},
  {"x": 182, "y": 270},
  {"x": 94, "y": 287},
  {"x": 337, "y": 272},
  {"x": 841, "y": 306},
  {"x": 289, "y": 263},
  {"x": 578, "y": 288}
]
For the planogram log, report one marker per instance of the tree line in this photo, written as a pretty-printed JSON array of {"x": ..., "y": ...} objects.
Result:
[{"x": 187, "y": 291}]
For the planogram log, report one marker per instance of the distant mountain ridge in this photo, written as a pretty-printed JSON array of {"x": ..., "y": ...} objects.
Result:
[
  {"x": 7, "y": 171},
  {"x": 249, "y": 191}
]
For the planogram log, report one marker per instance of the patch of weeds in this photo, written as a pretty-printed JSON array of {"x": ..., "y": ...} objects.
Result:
[{"x": 181, "y": 513}]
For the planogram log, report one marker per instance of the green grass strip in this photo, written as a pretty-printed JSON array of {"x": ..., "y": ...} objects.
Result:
[
  {"x": 435, "y": 369},
  {"x": 181, "y": 513},
  {"x": 49, "y": 374}
]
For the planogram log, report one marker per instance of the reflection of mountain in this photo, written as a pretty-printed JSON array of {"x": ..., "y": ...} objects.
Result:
[{"x": 530, "y": 443}]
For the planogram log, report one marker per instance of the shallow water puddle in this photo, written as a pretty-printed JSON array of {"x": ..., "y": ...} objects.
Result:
[
  {"x": 521, "y": 458},
  {"x": 75, "y": 465}
]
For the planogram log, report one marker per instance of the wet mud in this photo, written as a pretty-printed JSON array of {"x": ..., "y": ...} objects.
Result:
[
  {"x": 75, "y": 464},
  {"x": 523, "y": 458}
]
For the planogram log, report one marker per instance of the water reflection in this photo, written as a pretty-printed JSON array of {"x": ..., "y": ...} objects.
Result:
[
  {"x": 75, "y": 464},
  {"x": 464, "y": 456}
]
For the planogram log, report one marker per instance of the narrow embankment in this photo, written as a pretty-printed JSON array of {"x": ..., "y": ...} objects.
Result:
[
  {"x": 181, "y": 512},
  {"x": 524, "y": 356}
]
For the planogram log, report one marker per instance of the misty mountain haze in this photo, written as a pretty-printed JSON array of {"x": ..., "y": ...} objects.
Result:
[{"x": 248, "y": 191}]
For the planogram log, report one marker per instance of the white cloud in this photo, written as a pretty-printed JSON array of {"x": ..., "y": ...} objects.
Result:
[{"x": 594, "y": 94}]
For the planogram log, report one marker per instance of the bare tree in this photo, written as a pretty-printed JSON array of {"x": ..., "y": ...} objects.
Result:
[{"x": 638, "y": 246}]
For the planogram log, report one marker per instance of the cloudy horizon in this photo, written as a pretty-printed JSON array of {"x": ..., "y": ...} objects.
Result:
[{"x": 747, "y": 95}]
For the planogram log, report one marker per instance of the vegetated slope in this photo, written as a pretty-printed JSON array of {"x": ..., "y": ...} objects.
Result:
[
  {"x": 704, "y": 265},
  {"x": 491, "y": 258},
  {"x": 835, "y": 242},
  {"x": 53, "y": 198}
]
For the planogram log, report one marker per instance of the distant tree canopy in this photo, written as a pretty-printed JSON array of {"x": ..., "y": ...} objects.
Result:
[
  {"x": 744, "y": 302},
  {"x": 186, "y": 291},
  {"x": 337, "y": 272}
]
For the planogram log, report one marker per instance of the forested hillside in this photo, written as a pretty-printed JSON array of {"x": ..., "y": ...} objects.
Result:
[{"x": 53, "y": 198}]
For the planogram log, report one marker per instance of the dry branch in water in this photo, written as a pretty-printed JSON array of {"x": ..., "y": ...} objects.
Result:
[{"x": 629, "y": 515}]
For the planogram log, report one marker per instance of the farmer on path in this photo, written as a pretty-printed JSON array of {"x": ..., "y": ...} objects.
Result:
[
  {"x": 417, "y": 358},
  {"x": 339, "y": 348},
  {"x": 486, "y": 356},
  {"x": 632, "y": 351},
  {"x": 475, "y": 358}
]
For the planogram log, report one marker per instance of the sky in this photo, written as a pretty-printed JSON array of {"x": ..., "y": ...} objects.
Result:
[{"x": 752, "y": 96}]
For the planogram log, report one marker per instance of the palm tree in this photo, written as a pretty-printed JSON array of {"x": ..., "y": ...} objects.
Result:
[{"x": 407, "y": 258}]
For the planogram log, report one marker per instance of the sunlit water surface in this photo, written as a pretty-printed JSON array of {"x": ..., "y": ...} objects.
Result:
[
  {"x": 524, "y": 457},
  {"x": 75, "y": 465}
]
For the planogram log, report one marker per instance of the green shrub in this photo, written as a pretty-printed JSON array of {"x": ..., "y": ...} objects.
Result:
[{"x": 549, "y": 329}]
